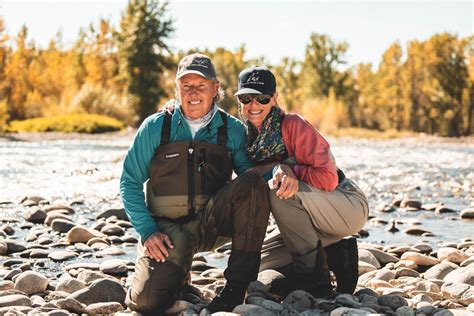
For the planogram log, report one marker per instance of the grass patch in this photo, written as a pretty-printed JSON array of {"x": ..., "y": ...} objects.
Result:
[
  {"x": 71, "y": 123},
  {"x": 370, "y": 133}
]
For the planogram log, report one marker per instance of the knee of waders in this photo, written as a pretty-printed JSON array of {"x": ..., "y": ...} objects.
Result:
[
  {"x": 157, "y": 289},
  {"x": 249, "y": 181}
]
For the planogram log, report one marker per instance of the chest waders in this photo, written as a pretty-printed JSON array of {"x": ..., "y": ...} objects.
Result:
[{"x": 184, "y": 175}]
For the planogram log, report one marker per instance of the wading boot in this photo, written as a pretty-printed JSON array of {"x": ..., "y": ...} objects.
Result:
[
  {"x": 317, "y": 282},
  {"x": 343, "y": 260},
  {"x": 230, "y": 296}
]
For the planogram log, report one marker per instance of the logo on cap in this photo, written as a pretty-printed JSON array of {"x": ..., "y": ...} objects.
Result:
[{"x": 254, "y": 77}]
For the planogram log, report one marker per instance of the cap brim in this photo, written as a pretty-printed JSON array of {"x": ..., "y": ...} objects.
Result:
[
  {"x": 187, "y": 72},
  {"x": 247, "y": 91}
]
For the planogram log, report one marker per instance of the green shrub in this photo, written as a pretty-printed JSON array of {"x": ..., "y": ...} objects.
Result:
[{"x": 72, "y": 123}]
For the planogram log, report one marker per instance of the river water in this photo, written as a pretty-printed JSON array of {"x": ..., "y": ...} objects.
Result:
[{"x": 428, "y": 169}]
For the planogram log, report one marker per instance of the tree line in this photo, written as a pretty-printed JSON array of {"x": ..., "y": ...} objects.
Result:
[{"x": 127, "y": 72}]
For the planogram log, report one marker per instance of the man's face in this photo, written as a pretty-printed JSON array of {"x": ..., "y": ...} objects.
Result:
[{"x": 196, "y": 94}]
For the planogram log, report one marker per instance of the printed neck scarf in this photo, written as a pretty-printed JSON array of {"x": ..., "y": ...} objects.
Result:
[{"x": 267, "y": 146}]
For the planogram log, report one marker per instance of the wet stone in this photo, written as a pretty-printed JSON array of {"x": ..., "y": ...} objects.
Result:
[
  {"x": 113, "y": 230},
  {"x": 35, "y": 215},
  {"x": 114, "y": 267},
  {"x": 59, "y": 207},
  {"x": 13, "y": 246},
  {"x": 10, "y": 275},
  {"x": 417, "y": 231},
  {"x": 61, "y": 255},
  {"x": 117, "y": 212},
  {"x": 213, "y": 273},
  {"x": 200, "y": 266},
  {"x": 56, "y": 215},
  {"x": 467, "y": 213},
  {"x": 62, "y": 225},
  {"x": 3, "y": 248},
  {"x": 81, "y": 234},
  {"x": 39, "y": 253}
]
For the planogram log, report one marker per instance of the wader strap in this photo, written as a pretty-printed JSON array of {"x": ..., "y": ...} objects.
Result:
[
  {"x": 222, "y": 130},
  {"x": 166, "y": 130},
  {"x": 191, "y": 186}
]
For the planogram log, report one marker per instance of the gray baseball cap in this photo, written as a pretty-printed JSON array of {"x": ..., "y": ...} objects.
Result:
[{"x": 198, "y": 64}]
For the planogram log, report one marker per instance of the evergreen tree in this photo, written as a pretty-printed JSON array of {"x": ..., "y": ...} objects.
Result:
[{"x": 145, "y": 27}]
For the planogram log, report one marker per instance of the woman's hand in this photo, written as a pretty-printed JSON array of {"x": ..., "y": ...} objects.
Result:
[
  {"x": 285, "y": 180},
  {"x": 156, "y": 246},
  {"x": 168, "y": 108}
]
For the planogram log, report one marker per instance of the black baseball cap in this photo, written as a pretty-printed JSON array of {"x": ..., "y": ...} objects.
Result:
[
  {"x": 256, "y": 80},
  {"x": 196, "y": 64}
]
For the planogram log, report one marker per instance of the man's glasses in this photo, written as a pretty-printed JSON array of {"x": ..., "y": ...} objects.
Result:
[{"x": 260, "y": 98}]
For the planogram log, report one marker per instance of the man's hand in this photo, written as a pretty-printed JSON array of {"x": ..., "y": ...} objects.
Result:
[
  {"x": 156, "y": 246},
  {"x": 284, "y": 179}
]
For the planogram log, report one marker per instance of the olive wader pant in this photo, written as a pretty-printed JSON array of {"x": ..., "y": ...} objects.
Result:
[
  {"x": 238, "y": 211},
  {"x": 311, "y": 216}
]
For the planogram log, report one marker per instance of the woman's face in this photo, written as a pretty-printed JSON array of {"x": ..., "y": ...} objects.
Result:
[{"x": 255, "y": 107}]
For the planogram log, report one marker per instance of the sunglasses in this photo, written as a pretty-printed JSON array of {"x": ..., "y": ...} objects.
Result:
[{"x": 260, "y": 98}]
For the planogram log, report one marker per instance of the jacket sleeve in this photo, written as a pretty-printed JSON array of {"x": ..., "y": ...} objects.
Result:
[
  {"x": 239, "y": 157},
  {"x": 135, "y": 172},
  {"x": 311, "y": 150}
]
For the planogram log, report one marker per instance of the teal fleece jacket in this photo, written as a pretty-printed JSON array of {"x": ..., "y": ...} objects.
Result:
[{"x": 137, "y": 161}]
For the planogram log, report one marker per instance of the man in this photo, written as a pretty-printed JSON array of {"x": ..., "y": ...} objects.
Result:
[{"x": 186, "y": 159}]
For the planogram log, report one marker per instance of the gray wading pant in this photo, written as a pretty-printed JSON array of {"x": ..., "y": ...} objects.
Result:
[
  {"x": 312, "y": 215},
  {"x": 239, "y": 211}
]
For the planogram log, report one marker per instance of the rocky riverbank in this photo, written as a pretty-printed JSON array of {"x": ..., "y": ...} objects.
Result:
[{"x": 53, "y": 264}]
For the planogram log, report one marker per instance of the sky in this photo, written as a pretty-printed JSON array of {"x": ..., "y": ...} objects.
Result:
[{"x": 270, "y": 29}]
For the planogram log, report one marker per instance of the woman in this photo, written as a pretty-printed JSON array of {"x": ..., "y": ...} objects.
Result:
[{"x": 313, "y": 204}]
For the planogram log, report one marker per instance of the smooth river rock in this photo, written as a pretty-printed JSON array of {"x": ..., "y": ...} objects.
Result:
[
  {"x": 440, "y": 270},
  {"x": 461, "y": 275},
  {"x": 420, "y": 259},
  {"x": 103, "y": 290},
  {"x": 30, "y": 282},
  {"x": 82, "y": 234}
]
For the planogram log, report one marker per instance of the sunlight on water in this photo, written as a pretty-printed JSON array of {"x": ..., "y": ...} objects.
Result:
[{"x": 89, "y": 171}]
